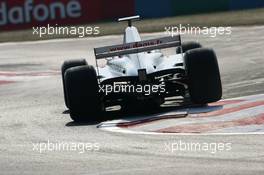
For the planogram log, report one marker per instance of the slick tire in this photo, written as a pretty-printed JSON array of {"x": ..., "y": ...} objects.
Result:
[
  {"x": 82, "y": 93},
  {"x": 188, "y": 46},
  {"x": 204, "y": 82},
  {"x": 66, "y": 65}
]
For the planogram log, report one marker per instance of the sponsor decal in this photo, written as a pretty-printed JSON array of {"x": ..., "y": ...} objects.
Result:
[
  {"x": 19, "y": 14},
  {"x": 31, "y": 11},
  {"x": 22, "y": 14},
  {"x": 136, "y": 45}
]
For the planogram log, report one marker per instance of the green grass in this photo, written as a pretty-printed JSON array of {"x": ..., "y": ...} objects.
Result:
[{"x": 234, "y": 18}]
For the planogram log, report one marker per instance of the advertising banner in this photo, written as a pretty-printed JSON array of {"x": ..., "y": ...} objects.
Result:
[{"x": 18, "y": 14}]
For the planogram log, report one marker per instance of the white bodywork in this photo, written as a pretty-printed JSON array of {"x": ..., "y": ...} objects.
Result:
[{"x": 129, "y": 64}]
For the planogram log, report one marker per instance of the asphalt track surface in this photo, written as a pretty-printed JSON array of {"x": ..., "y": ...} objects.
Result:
[{"x": 32, "y": 106}]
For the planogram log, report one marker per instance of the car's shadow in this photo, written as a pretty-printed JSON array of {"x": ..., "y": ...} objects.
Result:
[
  {"x": 72, "y": 124},
  {"x": 112, "y": 115},
  {"x": 141, "y": 111}
]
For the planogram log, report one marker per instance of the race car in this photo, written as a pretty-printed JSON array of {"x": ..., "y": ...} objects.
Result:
[{"x": 137, "y": 73}]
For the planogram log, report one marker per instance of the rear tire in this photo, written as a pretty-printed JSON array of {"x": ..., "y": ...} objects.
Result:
[
  {"x": 188, "y": 46},
  {"x": 204, "y": 82},
  {"x": 82, "y": 93},
  {"x": 66, "y": 65}
]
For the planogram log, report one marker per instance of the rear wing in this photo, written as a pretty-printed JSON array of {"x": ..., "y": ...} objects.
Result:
[
  {"x": 137, "y": 47},
  {"x": 129, "y": 19}
]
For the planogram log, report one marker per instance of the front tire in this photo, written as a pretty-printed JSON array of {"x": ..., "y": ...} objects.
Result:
[
  {"x": 204, "y": 82},
  {"x": 83, "y": 93},
  {"x": 188, "y": 46},
  {"x": 66, "y": 65}
]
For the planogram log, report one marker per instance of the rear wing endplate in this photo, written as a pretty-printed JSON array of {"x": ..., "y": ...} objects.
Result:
[{"x": 137, "y": 47}]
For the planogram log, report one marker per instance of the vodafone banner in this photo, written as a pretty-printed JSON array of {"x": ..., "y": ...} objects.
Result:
[{"x": 19, "y": 14}]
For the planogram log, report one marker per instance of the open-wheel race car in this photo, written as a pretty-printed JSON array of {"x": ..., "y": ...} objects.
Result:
[{"x": 137, "y": 66}]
